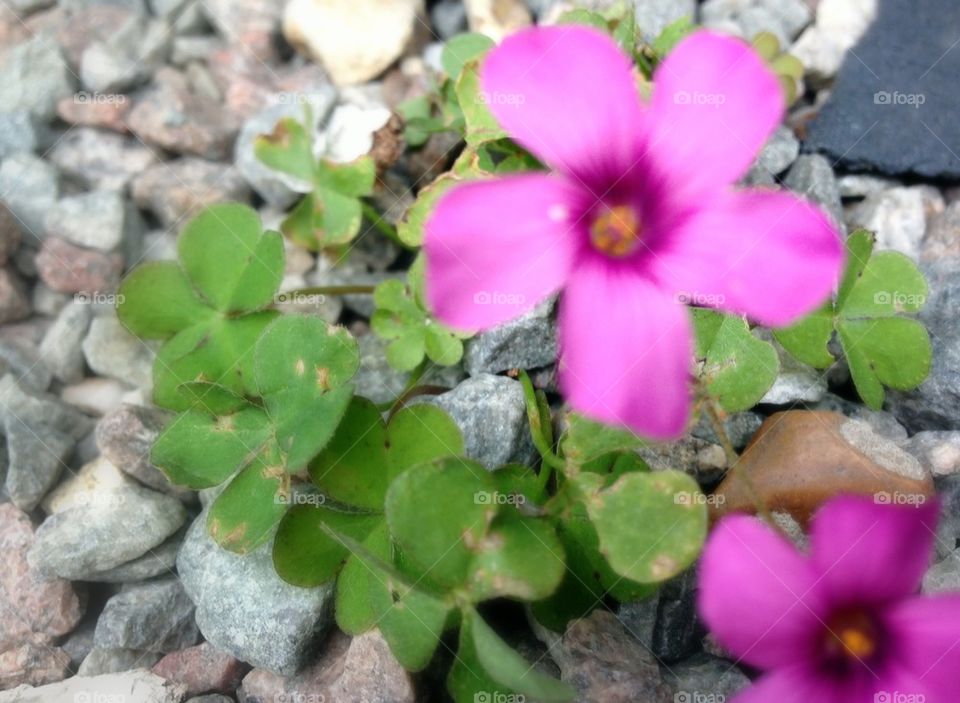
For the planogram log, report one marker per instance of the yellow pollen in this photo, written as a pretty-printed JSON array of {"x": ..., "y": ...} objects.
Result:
[
  {"x": 857, "y": 643},
  {"x": 852, "y": 635},
  {"x": 616, "y": 231}
]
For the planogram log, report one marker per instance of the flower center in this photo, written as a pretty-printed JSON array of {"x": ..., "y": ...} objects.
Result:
[
  {"x": 616, "y": 231},
  {"x": 851, "y": 635}
]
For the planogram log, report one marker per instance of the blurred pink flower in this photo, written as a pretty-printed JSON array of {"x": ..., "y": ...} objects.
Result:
[
  {"x": 637, "y": 216},
  {"x": 843, "y": 624}
]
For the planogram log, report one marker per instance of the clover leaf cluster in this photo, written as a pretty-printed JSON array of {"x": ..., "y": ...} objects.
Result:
[
  {"x": 383, "y": 506},
  {"x": 331, "y": 214},
  {"x": 874, "y": 317},
  {"x": 414, "y": 535}
]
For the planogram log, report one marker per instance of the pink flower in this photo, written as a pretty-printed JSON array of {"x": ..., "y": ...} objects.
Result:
[
  {"x": 638, "y": 213},
  {"x": 844, "y": 624}
]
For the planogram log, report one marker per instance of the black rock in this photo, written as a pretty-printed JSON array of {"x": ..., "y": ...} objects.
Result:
[
  {"x": 893, "y": 107},
  {"x": 677, "y": 633}
]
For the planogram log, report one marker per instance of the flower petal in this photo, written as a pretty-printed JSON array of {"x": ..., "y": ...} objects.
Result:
[
  {"x": 758, "y": 594},
  {"x": 769, "y": 255},
  {"x": 803, "y": 684},
  {"x": 714, "y": 105},
  {"x": 870, "y": 553},
  {"x": 567, "y": 93},
  {"x": 927, "y": 632},
  {"x": 496, "y": 248},
  {"x": 625, "y": 350}
]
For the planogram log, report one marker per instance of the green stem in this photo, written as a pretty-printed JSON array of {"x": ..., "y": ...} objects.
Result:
[
  {"x": 384, "y": 227},
  {"x": 733, "y": 460},
  {"x": 721, "y": 431},
  {"x": 643, "y": 63},
  {"x": 370, "y": 560},
  {"x": 331, "y": 290},
  {"x": 542, "y": 437},
  {"x": 546, "y": 424},
  {"x": 410, "y": 385}
]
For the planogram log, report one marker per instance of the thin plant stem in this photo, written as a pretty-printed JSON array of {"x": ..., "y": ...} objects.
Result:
[
  {"x": 331, "y": 290},
  {"x": 411, "y": 385},
  {"x": 542, "y": 437},
  {"x": 721, "y": 431},
  {"x": 382, "y": 226},
  {"x": 733, "y": 459}
]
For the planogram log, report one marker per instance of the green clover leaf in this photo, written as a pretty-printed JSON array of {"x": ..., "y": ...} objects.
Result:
[
  {"x": 736, "y": 368},
  {"x": 593, "y": 445},
  {"x": 486, "y": 665},
  {"x": 468, "y": 537},
  {"x": 411, "y": 618},
  {"x": 333, "y": 212},
  {"x": 480, "y": 124},
  {"x": 302, "y": 373},
  {"x": 355, "y": 470},
  {"x": 210, "y": 307},
  {"x": 650, "y": 525},
  {"x": 873, "y": 315},
  {"x": 462, "y": 49},
  {"x": 589, "y": 577},
  {"x": 410, "y": 229},
  {"x": 402, "y": 319}
]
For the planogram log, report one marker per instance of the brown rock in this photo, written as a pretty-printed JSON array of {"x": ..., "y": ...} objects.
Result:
[
  {"x": 107, "y": 111},
  {"x": 179, "y": 189},
  {"x": 67, "y": 268},
  {"x": 33, "y": 665},
  {"x": 800, "y": 458},
  {"x": 202, "y": 669},
  {"x": 358, "y": 670},
  {"x": 606, "y": 664},
  {"x": 34, "y": 608},
  {"x": 14, "y": 301},
  {"x": 173, "y": 116}
]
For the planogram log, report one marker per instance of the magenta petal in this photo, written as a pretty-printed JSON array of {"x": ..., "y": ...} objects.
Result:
[
  {"x": 802, "y": 684},
  {"x": 872, "y": 553},
  {"x": 757, "y": 593},
  {"x": 496, "y": 248},
  {"x": 714, "y": 105},
  {"x": 769, "y": 255},
  {"x": 568, "y": 95},
  {"x": 625, "y": 350},
  {"x": 927, "y": 634}
]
